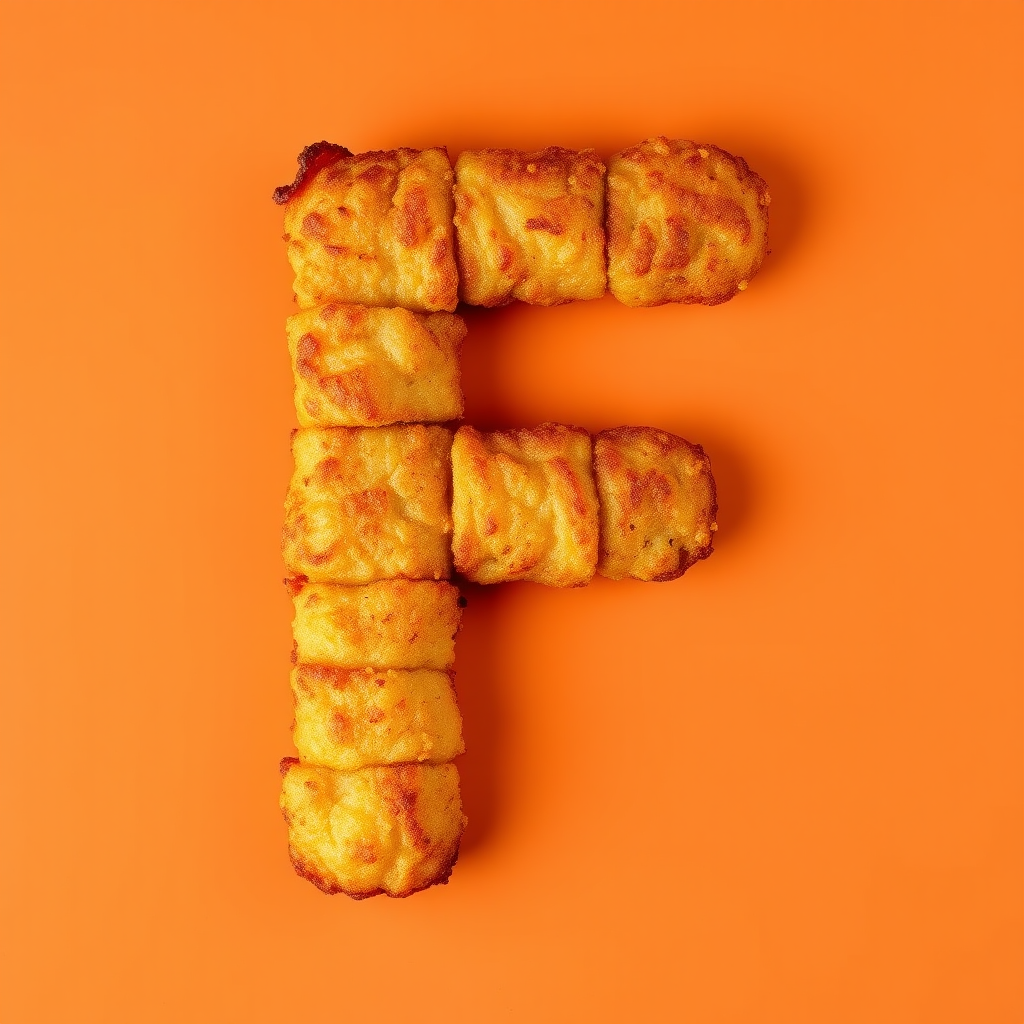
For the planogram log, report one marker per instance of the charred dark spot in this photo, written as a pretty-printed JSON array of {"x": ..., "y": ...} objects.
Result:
[
  {"x": 462, "y": 602},
  {"x": 314, "y": 226},
  {"x": 544, "y": 224},
  {"x": 375, "y": 174},
  {"x": 294, "y": 584}
]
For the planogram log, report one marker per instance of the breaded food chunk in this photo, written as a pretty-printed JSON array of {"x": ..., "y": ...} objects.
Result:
[
  {"x": 373, "y": 228},
  {"x": 393, "y": 829},
  {"x": 365, "y": 366},
  {"x": 530, "y": 226},
  {"x": 658, "y": 503},
  {"x": 369, "y": 504},
  {"x": 524, "y": 505},
  {"x": 390, "y": 624},
  {"x": 353, "y": 718},
  {"x": 687, "y": 222}
]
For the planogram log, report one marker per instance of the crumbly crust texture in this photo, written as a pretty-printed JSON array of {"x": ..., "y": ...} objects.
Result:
[
  {"x": 658, "y": 503},
  {"x": 687, "y": 222},
  {"x": 370, "y": 366},
  {"x": 372, "y": 228},
  {"x": 393, "y": 829},
  {"x": 524, "y": 505},
  {"x": 355, "y": 718},
  {"x": 369, "y": 504},
  {"x": 389, "y": 624},
  {"x": 530, "y": 226}
]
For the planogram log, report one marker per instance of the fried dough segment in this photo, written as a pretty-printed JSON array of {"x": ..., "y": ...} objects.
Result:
[
  {"x": 372, "y": 228},
  {"x": 687, "y": 222},
  {"x": 369, "y": 504},
  {"x": 392, "y": 829},
  {"x": 354, "y": 718},
  {"x": 658, "y": 503},
  {"x": 364, "y": 366},
  {"x": 530, "y": 226},
  {"x": 390, "y": 624},
  {"x": 524, "y": 505}
]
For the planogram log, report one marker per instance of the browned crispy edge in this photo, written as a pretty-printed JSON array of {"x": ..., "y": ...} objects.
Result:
[
  {"x": 692, "y": 559},
  {"x": 745, "y": 176},
  {"x": 312, "y": 159},
  {"x": 328, "y": 886},
  {"x": 704, "y": 552}
]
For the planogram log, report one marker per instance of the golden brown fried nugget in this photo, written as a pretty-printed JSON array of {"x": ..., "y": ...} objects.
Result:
[
  {"x": 393, "y": 830},
  {"x": 354, "y": 718},
  {"x": 686, "y": 223},
  {"x": 524, "y": 505},
  {"x": 530, "y": 226},
  {"x": 369, "y": 504},
  {"x": 375, "y": 228},
  {"x": 658, "y": 503},
  {"x": 363, "y": 366},
  {"x": 390, "y": 624}
]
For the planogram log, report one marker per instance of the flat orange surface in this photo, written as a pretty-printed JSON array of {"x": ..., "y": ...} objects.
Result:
[{"x": 787, "y": 787}]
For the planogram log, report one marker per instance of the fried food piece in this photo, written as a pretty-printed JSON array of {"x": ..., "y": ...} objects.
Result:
[
  {"x": 354, "y": 718},
  {"x": 369, "y": 504},
  {"x": 361, "y": 366},
  {"x": 686, "y": 223},
  {"x": 393, "y": 829},
  {"x": 524, "y": 505},
  {"x": 374, "y": 228},
  {"x": 658, "y": 503},
  {"x": 390, "y": 624},
  {"x": 530, "y": 226}
]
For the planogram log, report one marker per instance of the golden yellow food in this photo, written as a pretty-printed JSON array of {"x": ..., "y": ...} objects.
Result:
[
  {"x": 524, "y": 505},
  {"x": 687, "y": 222},
  {"x": 383, "y": 500},
  {"x": 354, "y": 718},
  {"x": 658, "y": 503},
  {"x": 390, "y": 624},
  {"x": 373, "y": 228},
  {"x": 393, "y": 829},
  {"x": 369, "y": 504},
  {"x": 365, "y": 366},
  {"x": 530, "y": 226}
]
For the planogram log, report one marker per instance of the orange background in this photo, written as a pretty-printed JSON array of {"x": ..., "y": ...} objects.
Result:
[{"x": 785, "y": 788}]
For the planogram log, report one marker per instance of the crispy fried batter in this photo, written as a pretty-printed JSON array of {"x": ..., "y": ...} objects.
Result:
[
  {"x": 524, "y": 505},
  {"x": 687, "y": 222},
  {"x": 390, "y": 624},
  {"x": 373, "y": 228},
  {"x": 354, "y": 718},
  {"x": 368, "y": 504},
  {"x": 657, "y": 503},
  {"x": 530, "y": 226},
  {"x": 361, "y": 366},
  {"x": 394, "y": 829}
]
